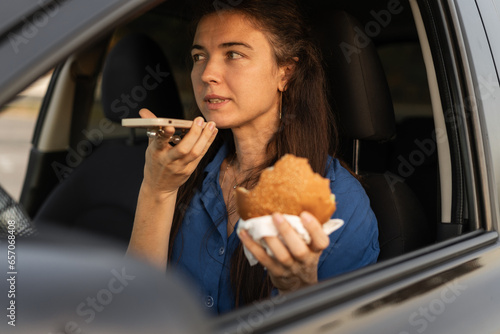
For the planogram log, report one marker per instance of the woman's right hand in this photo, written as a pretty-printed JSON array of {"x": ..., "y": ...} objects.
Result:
[{"x": 168, "y": 167}]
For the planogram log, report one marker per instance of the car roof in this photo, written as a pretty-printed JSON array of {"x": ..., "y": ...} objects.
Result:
[
  {"x": 36, "y": 35},
  {"x": 13, "y": 10},
  {"x": 35, "y": 39}
]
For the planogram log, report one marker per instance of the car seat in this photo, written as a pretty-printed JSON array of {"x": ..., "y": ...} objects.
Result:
[
  {"x": 361, "y": 100},
  {"x": 100, "y": 195}
]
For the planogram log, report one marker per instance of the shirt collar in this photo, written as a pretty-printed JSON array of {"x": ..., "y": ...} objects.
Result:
[
  {"x": 214, "y": 165},
  {"x": 211, "y": 192},
  {"x": 330, "y": 168}
]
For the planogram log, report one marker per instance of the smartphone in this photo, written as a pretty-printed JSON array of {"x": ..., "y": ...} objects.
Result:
[
  {"x": 156, "y": 122},
  {"x": 181, "y": 125}
]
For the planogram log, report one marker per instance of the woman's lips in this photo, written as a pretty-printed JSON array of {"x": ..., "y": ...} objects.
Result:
[{"x": 214, "y": 102}]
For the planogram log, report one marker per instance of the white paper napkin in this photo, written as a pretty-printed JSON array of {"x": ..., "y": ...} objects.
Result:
[{"x": 261, "y": 227}]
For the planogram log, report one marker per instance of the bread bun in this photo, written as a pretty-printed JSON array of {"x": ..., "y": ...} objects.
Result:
[{"x": 289, "y": 187}]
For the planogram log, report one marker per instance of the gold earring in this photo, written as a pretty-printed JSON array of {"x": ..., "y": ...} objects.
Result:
[{"x": 281, "y": 102}]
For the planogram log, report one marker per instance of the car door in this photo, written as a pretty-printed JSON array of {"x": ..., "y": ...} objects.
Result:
[{"x": 451, "y": 286}]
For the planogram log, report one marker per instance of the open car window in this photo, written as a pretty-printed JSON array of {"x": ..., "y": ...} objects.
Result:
[
  {"x": 436, "y": 165},
  {"x": 18, "y": 118}
]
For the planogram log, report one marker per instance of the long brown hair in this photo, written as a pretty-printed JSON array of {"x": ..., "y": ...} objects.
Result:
[{"x": 306, "y": 127}]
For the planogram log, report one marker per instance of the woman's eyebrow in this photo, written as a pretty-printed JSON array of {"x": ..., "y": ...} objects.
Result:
[
  {"x": 197, "y": 47},
  {"x": 230, "y": 44},
  {"x": 223, "y": 46}
]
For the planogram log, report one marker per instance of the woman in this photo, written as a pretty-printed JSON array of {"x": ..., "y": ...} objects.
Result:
[{"x": 258, "y": 78}]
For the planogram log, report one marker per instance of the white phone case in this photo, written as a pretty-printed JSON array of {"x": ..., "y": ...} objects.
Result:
[{"x": 156, "y": 122}]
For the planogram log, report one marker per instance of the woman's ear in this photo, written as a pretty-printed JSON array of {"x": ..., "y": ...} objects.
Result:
[{"x": 286, "y": 72}]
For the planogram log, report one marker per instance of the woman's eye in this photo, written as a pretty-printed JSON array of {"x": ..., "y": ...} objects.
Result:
[
  {"x": 234, "y": 55},
  {"x": 197, "y": 57}
]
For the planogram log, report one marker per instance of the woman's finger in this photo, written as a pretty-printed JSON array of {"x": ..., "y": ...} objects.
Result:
[
  {"x": 146, "y": 113},
  {"x": 163, "y": 134},
  {"x": 260, "y": 253},
  {"x": 280, "y": 251},
  {"x": 291, "y": 238},
  {"x": 160, "y": 141},
  {"x": 207, "y": 146},
  {"x": 319, "y": 239},
  {"x": 205, "y": 138},
  {"x": 185, "y": 147}
]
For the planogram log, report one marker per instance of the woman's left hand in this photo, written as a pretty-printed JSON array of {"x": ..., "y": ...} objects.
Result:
[{"x": 294, "y": 264}]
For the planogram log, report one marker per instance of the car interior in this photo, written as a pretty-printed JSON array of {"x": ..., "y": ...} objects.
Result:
[{"x": 85, "y": 170}]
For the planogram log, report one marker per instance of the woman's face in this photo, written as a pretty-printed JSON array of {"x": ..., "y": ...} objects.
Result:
[{"x": 235, "y": 75}]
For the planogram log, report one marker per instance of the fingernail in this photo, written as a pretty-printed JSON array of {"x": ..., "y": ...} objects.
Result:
[
  {"x": 199, "y": 121},
  {"x": 278, "y": 218},
  {"x": 211, "y": 126},
  {"x": 306, "y": 216}
]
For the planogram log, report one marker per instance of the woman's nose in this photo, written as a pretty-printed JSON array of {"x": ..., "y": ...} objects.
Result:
[{"x": 212, "y": 72}]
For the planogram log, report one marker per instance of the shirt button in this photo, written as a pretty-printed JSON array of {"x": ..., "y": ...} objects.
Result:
[
  {"x": 221, "y": 251},
  {"x": 209, "y": 301}
]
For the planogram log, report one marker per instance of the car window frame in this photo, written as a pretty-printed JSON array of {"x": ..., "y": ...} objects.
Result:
[
  {"x": 324, "y": 301},
  {"x": 327, "y": 295},
  {"x": 485, "y": 69}
]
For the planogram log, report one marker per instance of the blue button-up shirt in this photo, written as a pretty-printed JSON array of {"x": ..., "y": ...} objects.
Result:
[{"x": 203, "y": 251}]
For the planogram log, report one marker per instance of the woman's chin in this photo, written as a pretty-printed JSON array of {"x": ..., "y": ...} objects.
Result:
[{"x": 221, "y": 121}]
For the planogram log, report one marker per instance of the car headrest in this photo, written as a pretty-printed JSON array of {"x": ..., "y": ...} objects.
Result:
[
  {"x": 137, "y": 75},
  {"x": 358, "y": 87}
]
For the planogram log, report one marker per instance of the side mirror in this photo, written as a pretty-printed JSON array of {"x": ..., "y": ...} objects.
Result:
[{"x": 13, "y": 218}]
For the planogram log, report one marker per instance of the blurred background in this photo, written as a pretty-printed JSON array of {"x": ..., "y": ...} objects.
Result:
[{"x": 17, "y": 121}]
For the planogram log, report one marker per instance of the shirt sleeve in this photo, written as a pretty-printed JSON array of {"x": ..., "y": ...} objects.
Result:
[{"x": 355, "y": 244}]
